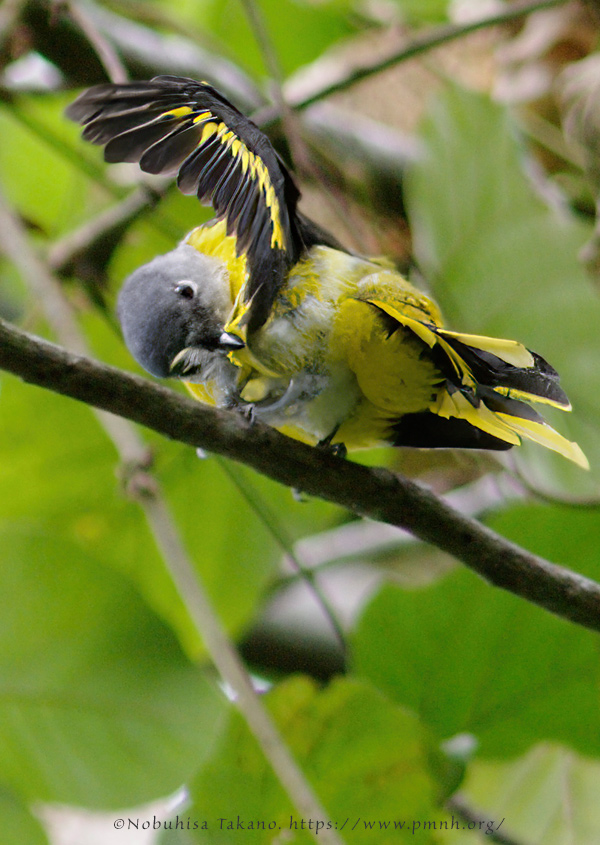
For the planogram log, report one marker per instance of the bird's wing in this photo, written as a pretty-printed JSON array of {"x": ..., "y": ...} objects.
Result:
[{"x": 177, "y": 126}]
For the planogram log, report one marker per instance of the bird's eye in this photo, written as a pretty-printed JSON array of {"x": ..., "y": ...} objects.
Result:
[{"x": 186, "y": 289}]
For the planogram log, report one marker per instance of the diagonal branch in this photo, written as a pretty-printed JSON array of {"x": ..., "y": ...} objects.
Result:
[
  {"x": 336, "y": 77},
  {"x": 375, "y": 493},
  {"x": 103, "y": 226}
]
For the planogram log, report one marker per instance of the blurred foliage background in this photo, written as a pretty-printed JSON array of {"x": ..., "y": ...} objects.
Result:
[{"x": 474, "y": 165}]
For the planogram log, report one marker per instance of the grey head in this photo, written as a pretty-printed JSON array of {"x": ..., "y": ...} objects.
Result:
[{"x": 172, "y": 312}]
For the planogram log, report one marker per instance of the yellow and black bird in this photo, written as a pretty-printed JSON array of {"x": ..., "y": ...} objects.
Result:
[{"x": 263, "y": 310}]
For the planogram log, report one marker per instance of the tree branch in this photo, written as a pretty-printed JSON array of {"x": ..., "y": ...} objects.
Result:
[
  {"x": 105, "y": 225},
  {"x": 375, "y": 493},
  {"x": 338, "y": 77}
]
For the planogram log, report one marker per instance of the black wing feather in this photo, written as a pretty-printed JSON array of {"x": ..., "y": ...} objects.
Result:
[
  {"x": 247, "y": 216},
  {"x": 177, "y": 125},
  {"x": 194, "y": 165},
  {"x": 237, "y": 202},
  {"x": 132, "y": 144},
  {"x": 161, "y": 156},
  {"x": 226, "y": 186},
  {"x": 425, "y": 430},
  {"x": 211, "y": 177},
  {"x": 541, "y": 379},
  {"x": 110, "y": 125}
]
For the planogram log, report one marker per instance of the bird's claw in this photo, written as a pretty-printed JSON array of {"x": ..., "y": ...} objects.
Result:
[
  {"x": 337, "y": 449},
  {"x": 246, "y": 409}
]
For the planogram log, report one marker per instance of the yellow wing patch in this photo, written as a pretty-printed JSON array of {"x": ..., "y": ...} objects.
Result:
[
  {"x": 523, "y": 395},
  {"x": 376, "y": 354},
  {"x": 213, "y": 240},
  {"x": 510, "y": 351},
  {"x": 456, "y": 405},
  {"x": 202, "y": 392},
  {"x": 182, "y": 111},
  {"x": 250, "y": 163}
]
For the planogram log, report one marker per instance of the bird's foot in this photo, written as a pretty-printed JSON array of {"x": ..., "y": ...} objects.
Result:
[
  {"x": 246, "y": 409},
  {"x": 327, "y": 445}
]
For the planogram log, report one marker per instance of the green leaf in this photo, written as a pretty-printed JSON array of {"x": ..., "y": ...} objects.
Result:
[
  {"x": 363, "y": 755},
  {"x": 39, "y": 179},
  {"x": 548, "y": 797},
  {"x": 235, "y": 551},
  {"x": 98, "y": 705},
  {"x": 502, "y": 262},
  {"x": 471, "y": 659},
  {"x": 299, "y": 31},
  {"x": 19, "y": 826},
  {"x": 57, "y": 473}
]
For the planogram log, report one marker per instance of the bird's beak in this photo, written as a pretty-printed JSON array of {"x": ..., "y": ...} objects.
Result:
[
  {"x": 230, "y": 342},
  {"x": 192, "y": 359}
]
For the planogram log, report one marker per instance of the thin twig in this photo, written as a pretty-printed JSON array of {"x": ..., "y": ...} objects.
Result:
[
  {"x": 162, "y": 18},
  {"x": 258, "y": 26},
  {"x": 425, "y": 42},
  {"x": 9, "y": 15},
  {"x": 154, "y": 52},
  {"x": 289, "y": 120},
  {"x": 476, "y": 818},
  {"x": 48, "y": 291},
  {"x": 62, "y": 253},
  {"x": 304, "y": 163},
  {"x": 291, "y": 555},
  {"x": 372, "y": 492},
  {"x": 115, "y": 70},
  {"x": 231, "y": 667},
  {"x": 130, "y": 446}
]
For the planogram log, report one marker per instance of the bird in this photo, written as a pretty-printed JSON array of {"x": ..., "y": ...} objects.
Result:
[{"x": 263, "y": 311}]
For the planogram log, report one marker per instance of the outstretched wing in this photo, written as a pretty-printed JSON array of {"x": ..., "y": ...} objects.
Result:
[{"x": 173, "y": 125}]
